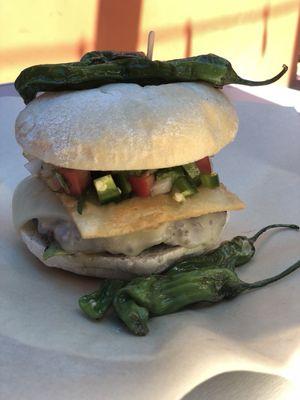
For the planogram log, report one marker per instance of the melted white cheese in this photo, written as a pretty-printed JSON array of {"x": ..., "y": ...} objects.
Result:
[
  {"x": 33, "y": 200},
  {"x": 189, "y": 233}
]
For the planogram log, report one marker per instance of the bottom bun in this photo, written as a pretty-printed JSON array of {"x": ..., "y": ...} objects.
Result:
[{"x": 105, "y": 265}]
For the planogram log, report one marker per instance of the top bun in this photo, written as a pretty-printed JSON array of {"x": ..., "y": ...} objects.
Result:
[{"x": 127, "y": 127}]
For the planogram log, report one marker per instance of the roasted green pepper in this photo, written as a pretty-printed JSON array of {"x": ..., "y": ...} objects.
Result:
[
  {"x": 99, "y": 68},
  {"x": 97, "y": 303},
  {"x": 229, "y": 254},
  {"x": 165, "y": 294},
  {"x": 206, "y": 279}
]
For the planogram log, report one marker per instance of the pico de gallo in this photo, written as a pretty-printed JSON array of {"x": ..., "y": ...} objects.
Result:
[{"x": 114, "y": 186}]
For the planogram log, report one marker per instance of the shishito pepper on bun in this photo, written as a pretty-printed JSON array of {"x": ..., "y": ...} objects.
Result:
[{"x": 122, "y": 182}]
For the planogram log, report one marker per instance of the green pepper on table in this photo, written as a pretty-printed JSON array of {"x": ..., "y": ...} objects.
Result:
[
  {"x": 206, "y": 278},
  {"x": 165, "y": 294},
  {"x": 95, "y": 304},
  {"x": 229, "y": 254}
]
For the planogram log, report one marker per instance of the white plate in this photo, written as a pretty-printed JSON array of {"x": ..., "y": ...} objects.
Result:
[{"x": 49, "y": 350}]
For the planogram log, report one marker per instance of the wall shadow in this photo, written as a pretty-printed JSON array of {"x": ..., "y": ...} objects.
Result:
[
  {"x": 188, "y": 39},
  {"x": 117, "y": 25},
  {"x": 294, "y": 81}
]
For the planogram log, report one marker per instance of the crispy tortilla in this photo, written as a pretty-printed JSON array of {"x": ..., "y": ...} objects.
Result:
[{"x": 137, "y": 213}]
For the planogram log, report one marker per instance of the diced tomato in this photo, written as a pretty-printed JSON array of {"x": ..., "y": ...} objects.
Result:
[
  {"x": 141, "y": 185},
  {"x": 77, "y": 180},
  {"x": 204, "y": 165}
]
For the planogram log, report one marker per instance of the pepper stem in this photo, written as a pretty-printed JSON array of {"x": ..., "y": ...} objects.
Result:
[
  {"x": 275, "y": 278},
  {"x": 256, "y": 236},
  {"x": 242, "y": 81}
]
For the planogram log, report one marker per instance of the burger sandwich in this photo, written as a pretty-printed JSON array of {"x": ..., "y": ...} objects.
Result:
[{"x": 121, "y": 178}]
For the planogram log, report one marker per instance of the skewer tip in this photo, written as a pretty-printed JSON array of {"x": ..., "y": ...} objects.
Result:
[{"x": 150, "y": 44}]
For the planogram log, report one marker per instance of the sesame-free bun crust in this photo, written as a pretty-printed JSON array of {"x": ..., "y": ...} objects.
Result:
[
  {"x": 151, "y": 261},
  {"x": 127, "y": 127}
]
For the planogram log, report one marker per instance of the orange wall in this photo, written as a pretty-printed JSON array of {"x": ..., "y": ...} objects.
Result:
[
  {"x": 41, "y": 31},
  {"x": 256, "y": 36}
]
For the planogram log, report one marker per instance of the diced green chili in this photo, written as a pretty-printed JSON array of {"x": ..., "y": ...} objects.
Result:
[
  {"x": 106, "y": 189},
  {"x": 169, "y": 173},
  {"x": 210, "y": 181},
  {"x": 123, "y": 183},
  {"x": 183, "y": 188},
  {"x": 193, "y": 172}
]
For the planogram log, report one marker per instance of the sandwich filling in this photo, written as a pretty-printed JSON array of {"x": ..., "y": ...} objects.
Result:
[
  {"x": 127, "y": 227},
  {"x": 115, "y": 186},
  {"x": 190, "y": 233}
]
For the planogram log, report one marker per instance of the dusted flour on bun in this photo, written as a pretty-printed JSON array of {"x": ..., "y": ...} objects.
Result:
[{"x": 127, "y": 127}]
